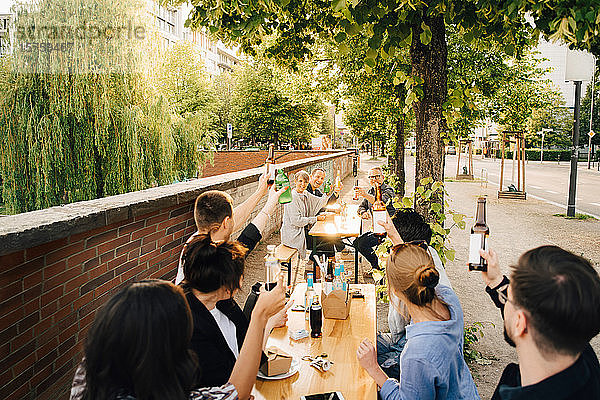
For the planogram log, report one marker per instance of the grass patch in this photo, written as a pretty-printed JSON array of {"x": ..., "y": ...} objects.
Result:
[
  {"x": 3, "y": 209},
  {"x": 577, "y": 216}
]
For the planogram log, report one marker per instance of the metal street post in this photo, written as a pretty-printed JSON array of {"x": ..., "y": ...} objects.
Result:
[
  {"x": 574, "y": 153},
  {"x": 579, "y": 66},
  {"x": 544, "y": 130},
  {"x": 591, "y": 132}
]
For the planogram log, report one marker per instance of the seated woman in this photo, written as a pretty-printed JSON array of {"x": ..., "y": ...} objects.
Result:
[
  {"x": 432, "y": 364},
  {"x": 213, "y": 273},
  {"x": 138, "y": 348},
  {"x": 300, "y": 212}
]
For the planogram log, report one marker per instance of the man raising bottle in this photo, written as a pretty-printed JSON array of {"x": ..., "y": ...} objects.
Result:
[{"x": 365, "y": 243}]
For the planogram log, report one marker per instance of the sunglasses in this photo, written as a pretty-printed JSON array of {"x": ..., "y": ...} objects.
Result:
[
  {"x": 419, "y": 243},
  {"x": 374, "y": 176}
]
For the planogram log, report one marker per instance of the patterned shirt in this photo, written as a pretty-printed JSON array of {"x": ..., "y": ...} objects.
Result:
[{"x": 225, "y": 392}]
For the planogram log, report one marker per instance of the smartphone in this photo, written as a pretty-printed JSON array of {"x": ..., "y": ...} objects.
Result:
[{"x": 324, "y": 396}]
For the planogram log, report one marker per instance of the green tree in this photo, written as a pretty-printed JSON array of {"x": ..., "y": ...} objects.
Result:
[
  {"x": 389, "y": 25},
  {"x": 585, "y": 112},
  {"x": 184, "y": 84},
  {"x": 272, "y": 106},
  {"x": 524, "y": 98},
  {"x": 89, "y": 122}
]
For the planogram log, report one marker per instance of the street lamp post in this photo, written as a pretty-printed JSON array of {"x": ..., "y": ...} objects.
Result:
[
  {"x": 544, "y": 130},
  {"x": 579, "y": 64},
  {"x": 591, "y": 132}
]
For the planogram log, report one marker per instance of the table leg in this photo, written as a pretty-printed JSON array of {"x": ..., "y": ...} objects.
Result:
[{"x": 355, "y": 265}]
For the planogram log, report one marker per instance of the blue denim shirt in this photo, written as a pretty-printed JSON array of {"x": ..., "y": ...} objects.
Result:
[{"x": 432, "y": 364}]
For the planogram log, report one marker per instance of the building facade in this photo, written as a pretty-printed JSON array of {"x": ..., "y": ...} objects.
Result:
[{"x": 217, "y": 57}]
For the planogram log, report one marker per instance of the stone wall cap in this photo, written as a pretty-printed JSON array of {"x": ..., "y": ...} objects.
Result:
[{"x": 33, "y": 228}]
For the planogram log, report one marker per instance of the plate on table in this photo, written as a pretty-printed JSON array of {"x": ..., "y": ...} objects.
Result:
[{"x": 295, "y": 367}]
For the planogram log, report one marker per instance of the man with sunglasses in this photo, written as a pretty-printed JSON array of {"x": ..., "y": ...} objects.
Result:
[
  {"x": 365, "y": 243},
  {"x": 551, "y": 311}
]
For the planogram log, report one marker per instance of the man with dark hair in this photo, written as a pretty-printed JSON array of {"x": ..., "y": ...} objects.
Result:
[
  {"x": 214, "y": 215},
  {"x": 551, "y": 311},
  {"x": 365, "y": 243},
  {"x": 317, "y": 177}
]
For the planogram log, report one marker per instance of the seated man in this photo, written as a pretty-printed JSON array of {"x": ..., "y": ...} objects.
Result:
[
  {"x": 365, "y": 243},
  {"x": 551, "y": 311},
  {"x": 317, "y": 177},
  {"x": 412, "y": 228},
  {"x": 214, "y": 214}
]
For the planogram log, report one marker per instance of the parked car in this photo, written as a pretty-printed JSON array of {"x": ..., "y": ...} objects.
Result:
[{"x": 451, "y": 150}]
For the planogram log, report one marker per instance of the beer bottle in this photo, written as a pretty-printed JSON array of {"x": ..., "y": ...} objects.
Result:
[
  {"x": 308, "y": 295},
  {"x": 270, "y": 163},
  {"x": 316, "y": 318},
  {"x": 327, "y": 187},
  {"x": 281, "y": 181},
  {"x": 379, "y": 213},
  {"x": 338, "y": 182},
  {"x": 479, "y": 238}
]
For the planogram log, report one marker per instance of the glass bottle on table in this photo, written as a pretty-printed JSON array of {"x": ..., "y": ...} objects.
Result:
[
  {"x": 309, "y": 294},
  {"x": 379, "y": 214},
  {"x": 356, "y": 187},
  {"x": 270, "y": 165},
  {"x": 281, "y": 180},
  {"x": 316, "y": 318},
  {"x": 480, "y": 233},
  {"x": 272, "y": 268}
]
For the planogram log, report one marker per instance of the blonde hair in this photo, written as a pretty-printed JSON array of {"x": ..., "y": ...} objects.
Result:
[
  {"x": 302, "y": 174},
  {"x": 410, "y": 270}
]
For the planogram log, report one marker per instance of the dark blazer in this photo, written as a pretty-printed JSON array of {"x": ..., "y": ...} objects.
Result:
[{"x": 215, "y": 358}]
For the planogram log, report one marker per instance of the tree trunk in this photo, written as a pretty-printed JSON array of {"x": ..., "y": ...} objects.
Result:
[
  {"x": 430, "y": 63},
  {"x": 373, "y": 145},
  {"x": 398, "y": 162}
]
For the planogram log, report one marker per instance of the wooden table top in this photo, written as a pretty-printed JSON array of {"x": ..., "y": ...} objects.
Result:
[
  {"x": 337, "y": 226},
  {"x": 340, "y": 340}
]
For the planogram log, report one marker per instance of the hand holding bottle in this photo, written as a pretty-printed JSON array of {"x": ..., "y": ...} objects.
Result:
[{"x": 493, "y": 276}]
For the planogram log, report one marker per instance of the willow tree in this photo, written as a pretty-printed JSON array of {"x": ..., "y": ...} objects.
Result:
[
  {"x": 389, "y": 24},
  {"x": 79, "y": 116}
]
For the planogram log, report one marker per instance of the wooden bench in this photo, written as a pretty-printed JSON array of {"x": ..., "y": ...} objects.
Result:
[{"x": 287, "y": 257}]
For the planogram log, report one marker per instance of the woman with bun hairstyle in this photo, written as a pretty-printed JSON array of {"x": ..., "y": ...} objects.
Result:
[
  {"x": 213, "y": 272},
  {"x": 431, "y": 364},
  {"x": 137, "y": 348}
]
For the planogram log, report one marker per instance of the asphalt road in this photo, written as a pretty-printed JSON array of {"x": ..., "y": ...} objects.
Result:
[{"x": 548, "y": 181}]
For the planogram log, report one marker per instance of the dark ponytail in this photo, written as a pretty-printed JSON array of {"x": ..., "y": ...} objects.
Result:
[{"x": 208, "y": 266}]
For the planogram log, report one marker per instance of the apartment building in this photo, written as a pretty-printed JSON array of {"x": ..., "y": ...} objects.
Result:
[{"x": 217, "y": 57}]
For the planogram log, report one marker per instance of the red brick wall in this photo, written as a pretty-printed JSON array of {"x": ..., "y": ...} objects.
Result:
[
  {"x": 49, "y": 294},
  {"x": 232, "y": 161}
]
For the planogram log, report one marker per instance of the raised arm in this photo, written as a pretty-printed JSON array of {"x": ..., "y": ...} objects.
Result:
[
  {"x": 246, "y": 367},
  {"x": 242, "y": 212},
  {"x": 260, "y": 221}
]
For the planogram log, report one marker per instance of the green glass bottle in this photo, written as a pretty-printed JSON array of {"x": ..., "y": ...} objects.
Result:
[
  {"x": 327, "y": 187},
  {"x": 281, "y": 181}
]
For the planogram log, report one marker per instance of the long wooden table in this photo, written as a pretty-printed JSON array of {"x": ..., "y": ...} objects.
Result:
[
  {"x": 336, "y": 226},
  {"x": 340, "y": 340}
]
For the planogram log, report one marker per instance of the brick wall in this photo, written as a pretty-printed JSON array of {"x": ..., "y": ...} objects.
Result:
[
  {"x": 57, "y": 266},
  {"x": 232, "y": 161}
]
